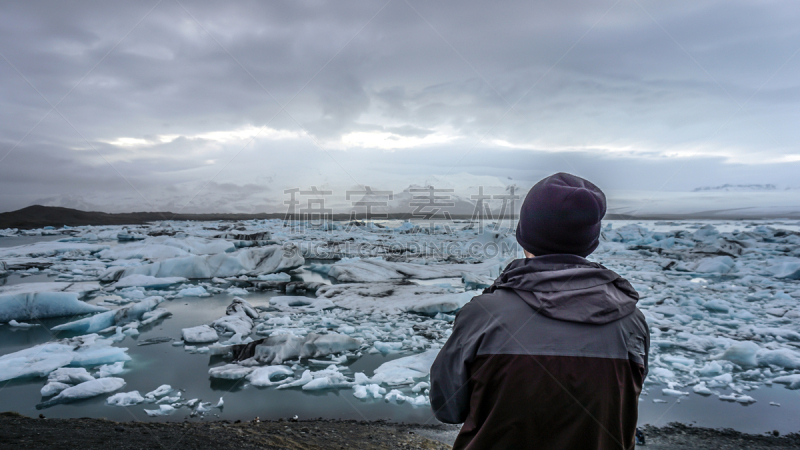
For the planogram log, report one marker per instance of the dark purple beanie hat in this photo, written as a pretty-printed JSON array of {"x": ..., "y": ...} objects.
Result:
[{"x": 561, "y": 214}]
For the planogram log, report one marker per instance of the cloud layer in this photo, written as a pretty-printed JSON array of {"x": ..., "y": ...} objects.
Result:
[{"x": 207, "y": 106}]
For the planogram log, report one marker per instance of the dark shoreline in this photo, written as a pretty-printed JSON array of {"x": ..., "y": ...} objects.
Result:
[
  {"x": 43, "y": 216},
  {"x": 89, "y": 434}
]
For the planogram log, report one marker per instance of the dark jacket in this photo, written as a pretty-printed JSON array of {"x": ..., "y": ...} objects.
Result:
[{"x": 552, "y": 356}]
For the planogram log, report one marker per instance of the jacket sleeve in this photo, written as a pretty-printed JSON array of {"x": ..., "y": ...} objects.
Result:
[{"x": 450, "y": 390}]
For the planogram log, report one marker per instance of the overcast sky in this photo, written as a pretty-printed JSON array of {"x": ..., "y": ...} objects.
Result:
[{"x": 219, "y": 106}]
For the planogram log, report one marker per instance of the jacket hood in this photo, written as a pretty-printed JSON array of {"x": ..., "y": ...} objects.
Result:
[{"x": 569, "y": 287}]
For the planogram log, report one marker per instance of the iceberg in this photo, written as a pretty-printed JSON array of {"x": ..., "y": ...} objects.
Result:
[
  {"x": 229, "y": 372},
  {"x": 146, "y": 281},
  {"x": 125, "y": 399},
  {"x": 446, "y": 303},
  {"x": 160, "y": 391},
  {"x": 86, "y": 389},
  {"x": 406, "y": 370},
  {"x": 364, "y": 392},
  {"x": 121, "y": 316},
  {"x": 741, "y": 353},
  {"x": 282, "y": 347},
  {"x": 265, "y": 376},
  {"x": 31, "y": 301},
  {"x": 238, "y": 319},
  {"x": 202, "y": 333},
  {"x": 390, "y": 298},
  {"x": 377, "y": 269},
  {"x": 791, "y": 381},
  {"x": 107, "y": 370},
  {"x": 52, "y": 388},
  {"x": 259, "y": 260},
  {"x": 163, "y": 410},
  {"x": 720, "y": 264},
  {"x": 40, "y": 360},
  {"x": 69, "y": 375},
  {"x": 194, "y": 291}
]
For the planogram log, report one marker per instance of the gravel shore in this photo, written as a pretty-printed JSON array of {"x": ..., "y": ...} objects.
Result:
[{"x": 89, "y": 434}]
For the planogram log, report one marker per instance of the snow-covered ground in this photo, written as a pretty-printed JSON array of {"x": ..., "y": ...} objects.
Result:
[{"x": 361, "y": 309}]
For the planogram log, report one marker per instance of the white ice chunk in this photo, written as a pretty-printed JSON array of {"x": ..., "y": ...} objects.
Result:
[
  {"x": 163, "y": 410},
  {"x": 788, "y": 270},
  {"x": 370, "y": 298},
  {"x": 719, "y": 264},
  {"x": 194, "y": 291},
  {"x": 364, "y": 392},
  {"x": 202, "y": 333},
  {"x": 446, "y": 303},
  {"x": 160, "y": 391},
  {"x": 782, "y": 357},
  {"x": 121, "y": 316},
  {"x": 53, "y": 388},
  {"x": 13, "y": 323},
  {"x": 111, "y": 369},
  {"x": 419, "y": 387},
  {"x": 395, "y": 396},
  {"x": 258, "y": 260},
  {"x": 741, "y": 353},
  {"x": 673, "y": 392},
  {"x": 662, "y": 372},
  {"x": 70, "y": 375},
  {"x": 387, "y": 347},
  {"x": 405, "y": 370},
  {"x": 85, "y": 390},
  {"x": 237, "y": 324},
  {"x": 377, "y": 269},
  {"x": 15, "y": 304},
  {"x": 711, "y": 369},
  {"x": 125, "y": 399},
  {"x": 42, "y": 359},
  {"x": 275, "y": 277},
  {"x": 791, "y": 381},
  {"x": 702, "y": 389},
  {"x": 420, "y": 400},
  {"x": 148, "y": 281},
  {"x": 229, "y": 372},
  {"x": 717, "y": 305},
  {"x": 264, "y": 376},
  {"x": 151, "y": 316}
]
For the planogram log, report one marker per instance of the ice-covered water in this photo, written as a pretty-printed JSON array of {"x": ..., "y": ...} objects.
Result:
[{"x": 334, "y": 305}]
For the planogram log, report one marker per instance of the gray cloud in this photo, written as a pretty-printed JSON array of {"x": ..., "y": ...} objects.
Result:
[{"x": 637, "y": 94}]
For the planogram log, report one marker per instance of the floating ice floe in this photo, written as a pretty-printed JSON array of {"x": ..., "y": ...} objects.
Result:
[
  {"x": 121, "y": 316},
  {"x": 229, "y": 372},
  {"x": 40, "y": 360},
  {"x": 279, "y": 348},
  {"x": 14, "y": 324},
  {"x": 367, "y": 391},
  {"x": 125, "y": 399},
  {"x": 107, "y": 370},
  {"x": 31, "y": 301},
  {"x": 194, "y": 291},
  {"x": 163, "y": 410},
  {"x": 147, "y": 281},
  {"x": 269, "y": 375},
  {"x": 83, "y": 390},
  {"x": 392, "y": 297},
  {"x": 269, "y": 259},
  {"x": 199, "y": 334},
  {"x": 377, "y": 269},
  {"x": 406, "y": 370}
]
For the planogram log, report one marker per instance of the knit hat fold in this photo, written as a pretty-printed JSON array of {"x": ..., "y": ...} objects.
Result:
[{"x": 561, "y": 214}]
